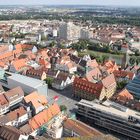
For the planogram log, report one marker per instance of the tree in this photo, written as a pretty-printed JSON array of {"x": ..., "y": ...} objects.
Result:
[
  {"x": 137, "y": 53},
  {"x": 104, "y": 58},
  {"x": 52, "y": 44},
  {"x": 121, "y": 85},
  {"x": 63, "y": 108},
  {"x": 132, "y": 60},
  {"x": 49, "y": 81},
  {"x": 138, "y": 60}
]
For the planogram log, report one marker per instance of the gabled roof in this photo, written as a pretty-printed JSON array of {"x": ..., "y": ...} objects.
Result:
[
  {"x": 124, "y": 95},
  {"x": 123, "y": 74},
  {"x": 13, "y": 115},
  {"x": 3, "y": 101},
  {"x": 44, "y": 117},
  {"x": 80, "y": 128},
  {"x": 89, "y": 87},
  {"x": 9, "y": 133},
  {"x": 52, "y": 72},
  {"x": 94, "y": 74},
  {"x": 92, "y": 63},
  {"x": 83, "y": 63},
  {"x": 19, "y": 64},
  {"x": 62, "y": 76},
  {"x": 14, "y": 94},
  {"x": 36, "y": 99},
  {"x": 26, "y": 129},
  {"x": 2, "y": 64},
  {"x": 110, "y": 66},
  {"x": 36, "y": 73},
  {"x": 108, "y": 81},
  {"x": 75, "y": 59}
]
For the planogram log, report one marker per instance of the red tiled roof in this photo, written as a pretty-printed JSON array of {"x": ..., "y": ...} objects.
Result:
[
  {"x": 19, "y": 64},
  {"x": 81, "y": 84},
  {"x": 16, "y": 114},
  {"x": 3, "y": 101},
  {"x": 95, "y": 73},
  {"x": 37, "y": 73},
  {"x": 2, "y": 64},
  {"x": 35, "y": 99},
  {"x": 9, "y": 133},
  {"x": 14, "y": 94},
  {"x": 80, "y": 128},
  {"x": 110, "y": 66},
  {"x": 123, "y": 74},
  {"x": 24, "y": 46},
  {"x": 44, "y": 117},
  {"x": 124, "y": 95},
  {"x": 92, "y": 63},
  {"x": 108, "y": 81}
]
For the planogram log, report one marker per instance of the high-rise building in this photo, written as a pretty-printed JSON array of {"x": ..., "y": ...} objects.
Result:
[
  {"x": 69, "y": 31},
  {"x": 85, "y": 34}
]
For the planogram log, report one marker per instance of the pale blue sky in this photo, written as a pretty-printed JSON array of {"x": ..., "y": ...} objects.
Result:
[{"x": 73, "y": 2}]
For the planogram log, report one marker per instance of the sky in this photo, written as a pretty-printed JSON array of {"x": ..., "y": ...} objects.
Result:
[{"x": 72, "y": 2}]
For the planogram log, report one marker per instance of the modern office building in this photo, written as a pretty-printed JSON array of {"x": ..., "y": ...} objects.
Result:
[
  {"x": 28, "y": 84},
  {"x": 134, "y": 87},
  {"x": 69, "y": 31},
  {"x": 111, "y": 116}
]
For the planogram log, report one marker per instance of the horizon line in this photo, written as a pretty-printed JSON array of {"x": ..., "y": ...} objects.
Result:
[{"x": 69, "y": 5}]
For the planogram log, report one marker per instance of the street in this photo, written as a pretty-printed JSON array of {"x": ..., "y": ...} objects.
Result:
[{"x": 65, "y": 98}]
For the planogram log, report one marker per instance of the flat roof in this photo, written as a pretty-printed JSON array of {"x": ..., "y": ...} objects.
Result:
[
  {"x": 32, "y": 82},
  {"x": 111, "y": 108}
]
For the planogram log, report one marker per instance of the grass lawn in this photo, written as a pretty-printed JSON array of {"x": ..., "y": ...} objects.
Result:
[
  {"x": 117, "y": 58},
  {"x": 106, "y": 54}
]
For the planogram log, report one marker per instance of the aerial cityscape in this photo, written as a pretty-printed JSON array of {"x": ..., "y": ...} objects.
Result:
[{"x": 69, "y": 70}]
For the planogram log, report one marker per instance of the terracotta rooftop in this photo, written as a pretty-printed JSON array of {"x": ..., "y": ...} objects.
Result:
[
  {"x": 44, "y": 117},
  {"x": 36, "y": 73},
  {"x": 80, "y": 128},
  {"x": 82, "y": 84},
  {"x": 3, "y": 101},
  {"x": 125, "y": 95},
  {"x": 9, "y": 133},
  {"x": 108, "y": 81},
  {"x": 94, "y": 74},
  {"x": 14, "y": 94},
  {"x": 26, "y": 129},
  {"x": 36, "y": 99},
  {"x": 92, "y": 63},
  {"x": 13, "y": 115},
  {"x": 110, "y": 66},
  {"x": 123, "y": 74},
  {"x": 19, "y": 64}
]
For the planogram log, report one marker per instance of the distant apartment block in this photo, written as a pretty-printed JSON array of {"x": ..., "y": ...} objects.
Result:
[{"x": 69, "y": 31}]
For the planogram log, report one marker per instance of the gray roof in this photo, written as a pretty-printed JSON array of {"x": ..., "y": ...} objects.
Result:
[{"x": 32, "y": 82}]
